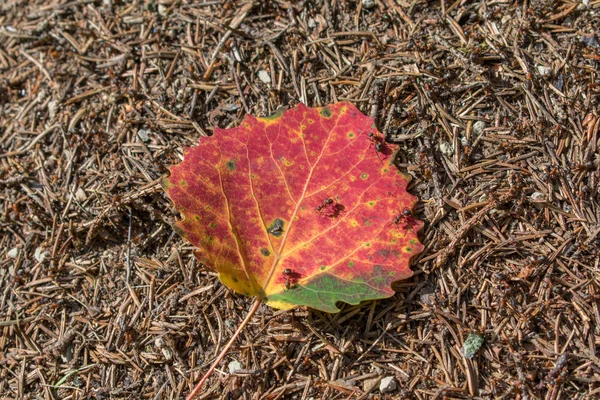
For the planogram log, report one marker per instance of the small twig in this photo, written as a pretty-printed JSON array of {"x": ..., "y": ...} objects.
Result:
[
  {"x": 458, "y": 236},
  {"x": 225, "y": 350},
  {"x": 239, "y": 87},
  {"x": 37, "y": 63},
  {"x": 128, "y": 248},
  {"x": 16, "y": 321}
]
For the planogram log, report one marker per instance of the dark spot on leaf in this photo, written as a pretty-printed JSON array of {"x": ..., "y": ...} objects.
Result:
[
  {"x": 235, "y": 279},
  {"x": 231, "y": 165},
  {"x": 325, "y": 112},
  {"x": 276, "y": 227},
  {"x": 364, "y": 176},
  {"x": 213, "y": 225},
  {"x": 323, "y": 267},
  {"x": 351, "y": 134},
  {"x": 350, "y": 264},
  {"x": 265, "y": 252},
  {"x": 385, "y": 253},
  {"x": 183, "y": 183}
]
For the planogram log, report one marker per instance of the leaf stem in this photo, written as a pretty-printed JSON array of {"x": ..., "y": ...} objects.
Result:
[{"x": 225, "y": 350}]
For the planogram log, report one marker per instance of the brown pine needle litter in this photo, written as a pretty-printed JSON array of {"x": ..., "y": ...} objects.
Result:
[{"x": 495, "y": 107}]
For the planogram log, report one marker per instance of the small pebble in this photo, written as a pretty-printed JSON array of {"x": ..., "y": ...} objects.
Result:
[
  {"x": 231, "y": 107},
  {"x": 40, "y": 254},
  {"x": 446, "y": 149},
  {"x": 80, "y": 195},
  {"x": 537, "y": 196},
  {"x": 478, "y": 127},
  {"x": 234, "y": 366},
  {"x": 13, "y": 253},
  {"x": 52, "y": 108},
  {"x": 163, "y": 10},
  {"x": 264, "y": 76},
  {"x": 368, "y": 4},
  {"x": 236, "y": 54},
  {"x": 143, "y": 135},
  {"x": 427, "y": 298},
  {"x": 388, "y": 384},
  {"x": 543, "y": 70}
]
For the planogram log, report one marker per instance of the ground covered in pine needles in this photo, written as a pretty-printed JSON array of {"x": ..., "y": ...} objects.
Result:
[{"x": 494, "y": 105}]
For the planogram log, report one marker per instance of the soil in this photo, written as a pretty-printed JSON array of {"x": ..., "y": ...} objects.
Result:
[{"x": 495, "y": 105}]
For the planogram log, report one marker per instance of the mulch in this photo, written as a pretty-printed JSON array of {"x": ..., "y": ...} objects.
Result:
[{"x": 494, "y": 105}]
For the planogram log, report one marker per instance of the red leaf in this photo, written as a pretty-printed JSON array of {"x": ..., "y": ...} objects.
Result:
[{"x": 300, "y": 208}]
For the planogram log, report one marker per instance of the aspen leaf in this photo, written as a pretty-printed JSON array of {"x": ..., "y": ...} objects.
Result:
[{"x": 302, "y": 208}]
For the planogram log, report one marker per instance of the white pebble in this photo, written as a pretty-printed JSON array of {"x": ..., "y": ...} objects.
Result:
[
  {"x": 478, "y": 127},
  {"x": 163, "y": 10},
  {"x": 52, "y": 108},
  {"x": 80, "y": 195},
  {"x": 13, "y": 253},
  {"x": 143, "y": 135},
  {"x": 537, "y": 196},
  {"x": 264, "y": 76},
  {"x": 367, "y": 4},
  {"x": 543, "y": 70},
  {"x": 388, "y": 384},
  {"x": 234, "y": 366},
  {"x": 40, "y": 254},
  {"x": 446, "y": 149}
]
